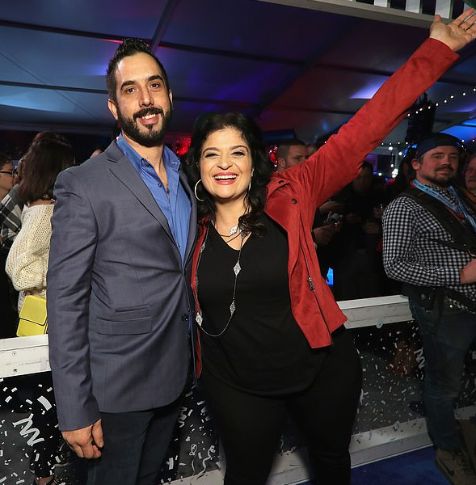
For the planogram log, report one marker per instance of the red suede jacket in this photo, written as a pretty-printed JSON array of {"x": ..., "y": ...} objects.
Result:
[{"x": 295, "y": 194}]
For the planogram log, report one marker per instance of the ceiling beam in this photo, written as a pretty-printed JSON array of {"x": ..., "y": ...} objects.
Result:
[
  {"x": 381, "y": 72},
  {"x": 61, "y": 31},
  {"x": 163, "y": 23},
  {"x": 50, "y": 87},
  {"x": 234, "y": 54},
  {"x": 229, "y": 104},
  {"x": 94, "y": 129}
]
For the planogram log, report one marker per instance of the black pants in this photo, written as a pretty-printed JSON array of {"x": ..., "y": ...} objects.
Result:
[
  {"x": 135, "y": 444},
  {"x": 250, "y": 426}
]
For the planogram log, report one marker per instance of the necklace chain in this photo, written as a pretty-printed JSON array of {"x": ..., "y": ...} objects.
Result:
[
  {"x": 236, "y": 271},
  {"x": 234, "y": 230}
]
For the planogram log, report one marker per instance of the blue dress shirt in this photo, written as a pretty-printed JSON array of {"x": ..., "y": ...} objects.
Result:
[{"x": 174, "y": 202}]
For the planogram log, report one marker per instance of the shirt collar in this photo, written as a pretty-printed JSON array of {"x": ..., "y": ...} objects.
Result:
[{"x": 171, "y": 160}]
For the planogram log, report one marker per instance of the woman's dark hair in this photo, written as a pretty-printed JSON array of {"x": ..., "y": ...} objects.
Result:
[
  {"x": 41, "y": 164},
  {"x": 256, "y": 197}
]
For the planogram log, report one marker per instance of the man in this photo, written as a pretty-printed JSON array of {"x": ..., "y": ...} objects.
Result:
[
  {"x": 118, "y": 304},
  {"x": 290, "y": 153},
  {"x": 293, "y": 152},
  {"x": 7, "y": 175},
  {"x": 429, "y": 244},
  {"x": 10, "y": 222},
  {"x": 358, "y": 270}
]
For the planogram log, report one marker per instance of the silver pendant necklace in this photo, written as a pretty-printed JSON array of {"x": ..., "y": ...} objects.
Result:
[
  {"x": 232, "y": 307},
  {"x": 233, "y": 231}
]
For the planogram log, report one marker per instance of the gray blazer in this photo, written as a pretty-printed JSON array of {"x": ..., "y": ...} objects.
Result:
[{"x": 118, "y": 294}]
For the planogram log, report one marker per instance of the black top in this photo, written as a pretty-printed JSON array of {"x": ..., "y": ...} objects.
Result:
[{"x": 263, "y": 350}]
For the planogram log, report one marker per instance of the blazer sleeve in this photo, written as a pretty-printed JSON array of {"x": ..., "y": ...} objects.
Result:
[
  {"x": 337, "y": 163},
  {"x": 71, "y": 261}
]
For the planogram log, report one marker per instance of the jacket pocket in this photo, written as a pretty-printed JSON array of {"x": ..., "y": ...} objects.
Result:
[{"x": 127, "y": 321}]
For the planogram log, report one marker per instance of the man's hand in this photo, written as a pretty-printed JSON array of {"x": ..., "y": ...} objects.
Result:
[
  {"x": 456, "y": 34},
  {"x": 468, "y": 273},
  {"x": 86, "y": 442},
  {"x": 331, "y": 206},
  {"x": 323, "y": 235}
]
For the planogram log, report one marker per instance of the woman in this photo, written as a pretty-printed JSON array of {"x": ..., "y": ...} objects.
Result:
[
  {"x": 272, "y": 336},
  {"x": 469, "y": 174},
  {"x": 27, "y": 264}
]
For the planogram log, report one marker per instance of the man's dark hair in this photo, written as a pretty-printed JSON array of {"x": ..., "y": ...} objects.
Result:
[
  {"x": 4, "y": 159},
  {"x": 283, "y": 147},
  {"x": 366, "y": 165},
  {"x": 129, "y": 47},
  {"x": 204, "y": 126},
  {"x": 41, "y": 164}
]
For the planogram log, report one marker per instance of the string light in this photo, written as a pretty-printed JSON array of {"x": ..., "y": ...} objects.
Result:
[
  {"x": 452, "y": 97},
  {"x": 391, "y": 145},
  {"x": 447, "y": 100}
]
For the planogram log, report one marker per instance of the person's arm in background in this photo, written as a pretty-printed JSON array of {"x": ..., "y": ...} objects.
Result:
[{"x": 27, "y": 259}]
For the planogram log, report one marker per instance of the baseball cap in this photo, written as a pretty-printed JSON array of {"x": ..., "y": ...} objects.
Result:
[{"x": 437, "y": 140}]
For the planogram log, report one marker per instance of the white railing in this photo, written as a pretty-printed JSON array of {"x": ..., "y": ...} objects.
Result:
[
  {"x": 29, "y": 355},
  {"x": 380, "y": 10}
]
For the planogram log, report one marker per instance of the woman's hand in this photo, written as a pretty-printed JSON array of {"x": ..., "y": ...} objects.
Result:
[{"x": 458, "y": 33}]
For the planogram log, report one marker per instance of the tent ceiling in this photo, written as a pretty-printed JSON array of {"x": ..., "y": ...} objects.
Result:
[{"x": 292, "y": 68}]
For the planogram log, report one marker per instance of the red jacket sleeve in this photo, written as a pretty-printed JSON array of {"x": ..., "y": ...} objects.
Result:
[{"x": 337, "y": 163}]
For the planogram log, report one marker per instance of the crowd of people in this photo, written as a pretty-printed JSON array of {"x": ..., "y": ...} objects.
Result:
[{"x": 152, "y": 267}]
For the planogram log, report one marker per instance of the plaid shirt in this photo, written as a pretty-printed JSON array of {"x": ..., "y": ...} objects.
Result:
[
  {"x": 411, "y": 255},
  {"x": 10, "y": 218}
]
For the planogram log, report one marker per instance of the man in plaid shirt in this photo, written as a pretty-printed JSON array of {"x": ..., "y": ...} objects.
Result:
[
  {"x": 10, "y": 218},
  {"x": 439, "y": 276},
  {"x": 10, "y": 222}
]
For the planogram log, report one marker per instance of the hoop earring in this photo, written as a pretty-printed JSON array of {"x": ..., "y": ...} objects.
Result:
[{"x": 195, "y": 191}]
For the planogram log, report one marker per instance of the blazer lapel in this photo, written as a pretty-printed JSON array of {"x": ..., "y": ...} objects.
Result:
[
  {"x": 192, "y": 229},
  {"x": 124, "y": 171}
]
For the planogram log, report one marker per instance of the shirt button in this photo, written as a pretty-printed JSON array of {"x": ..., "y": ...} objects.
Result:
[
  {"x": 293, "y": 201},
  {"x": 185, "y": 317}
]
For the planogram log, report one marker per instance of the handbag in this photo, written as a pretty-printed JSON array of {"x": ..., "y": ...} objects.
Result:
[{"x": 33, "y": 317}]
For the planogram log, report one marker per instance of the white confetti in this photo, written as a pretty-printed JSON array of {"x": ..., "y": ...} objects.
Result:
[{"x": 45, "y": 403}]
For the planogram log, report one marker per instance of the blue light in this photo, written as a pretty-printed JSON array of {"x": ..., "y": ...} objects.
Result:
[{"x": 330, "y": 277}]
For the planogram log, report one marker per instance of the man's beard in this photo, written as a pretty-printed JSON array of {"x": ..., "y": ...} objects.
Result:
[
  {"x": 443, "y": 182},
  {"x": 148, "y": 139}
]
